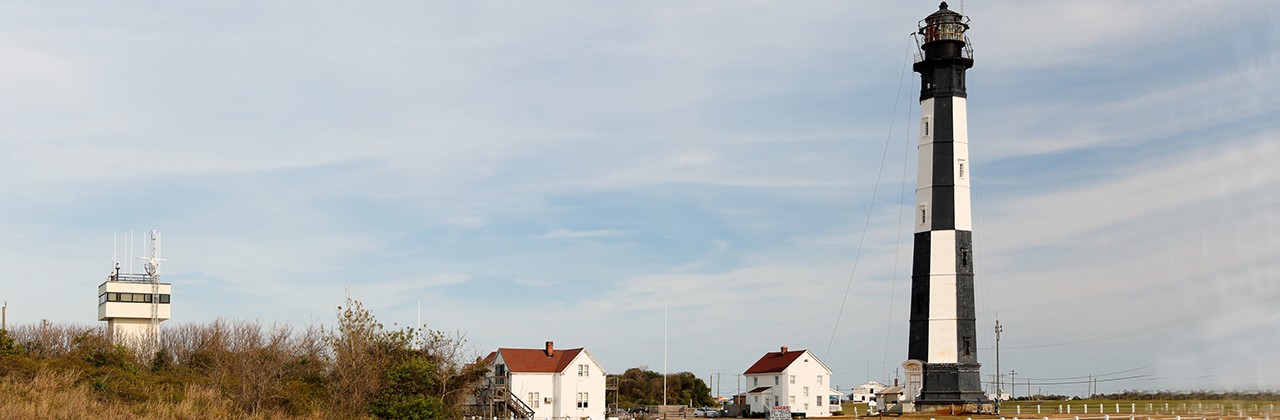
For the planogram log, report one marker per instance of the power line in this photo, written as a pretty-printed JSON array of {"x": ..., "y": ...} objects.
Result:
[
  {"x": 1090, "y": 376},
  {"x": 902, "y": 198},
  {"x": 867, "y": 224},
  {"x": 1123, "y": 378}
]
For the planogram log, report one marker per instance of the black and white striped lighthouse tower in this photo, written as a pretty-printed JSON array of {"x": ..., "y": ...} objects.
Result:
[{"x": 943, "y": 338}]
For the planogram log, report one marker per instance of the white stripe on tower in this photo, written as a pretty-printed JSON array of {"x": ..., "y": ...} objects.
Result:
[
  {"x": 924, "y": 170},
  {"x": 942, "y": 297},
  {"x": 960, "y": 132}
]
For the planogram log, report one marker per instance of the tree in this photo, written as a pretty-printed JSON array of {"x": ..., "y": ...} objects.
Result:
[
  {"x": 640, "y": 386},
  {"x": 397, "y": 373}
]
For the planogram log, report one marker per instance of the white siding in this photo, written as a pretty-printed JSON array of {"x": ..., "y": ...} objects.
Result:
[
  {"x": 571, "y": 384},
  {"x": 541, "y": 383}
]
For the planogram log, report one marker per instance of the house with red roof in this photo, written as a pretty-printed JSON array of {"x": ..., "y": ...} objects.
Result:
[
  {"x": 794, "y": 379},
  {"x": 549, "y": 382}
]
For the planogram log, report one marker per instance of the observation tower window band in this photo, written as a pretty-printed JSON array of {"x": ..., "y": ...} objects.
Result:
[{"x": 130, "y": 297}]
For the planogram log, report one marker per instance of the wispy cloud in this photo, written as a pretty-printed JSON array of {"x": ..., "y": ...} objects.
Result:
[{"x": 566, "y": 233}]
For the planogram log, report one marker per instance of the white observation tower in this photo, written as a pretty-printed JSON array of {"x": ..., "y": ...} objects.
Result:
[{"x": 134, "y": 304}]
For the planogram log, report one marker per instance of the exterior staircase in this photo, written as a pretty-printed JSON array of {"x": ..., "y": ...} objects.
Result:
[
  {"x": 494, "y": 400},
  {"x": 513, "y": 405}
]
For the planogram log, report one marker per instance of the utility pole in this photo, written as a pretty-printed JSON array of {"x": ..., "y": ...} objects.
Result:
[
  {"x": 718, "y": 382},
  {"x": 999, "y": 330},
  {"x": 1013, "y": 379}
]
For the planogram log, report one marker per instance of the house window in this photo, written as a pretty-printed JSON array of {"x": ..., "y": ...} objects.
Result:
[
  {"x": 534, "y": 400},
  {"x": 806, "y": 391},
  {"x": 757, "y": 398},
  {"x": 584, "y": 371},
  {"x": 755, "y": 381},
  {"x": 776, "y": 378},
  {"x": 819, "y": 403},
  {"x": 819, "y": 379},
  {"x": 792, "y": 379},
  {"x": 791, "y": 400},
  {"x": 582, "y": 400}
]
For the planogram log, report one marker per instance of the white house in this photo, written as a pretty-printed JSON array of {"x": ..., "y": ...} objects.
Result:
[
  {"x": 794, "y": 379},
  {"x": 866, "y": 392},
  {"x": 554, "y": 383}
]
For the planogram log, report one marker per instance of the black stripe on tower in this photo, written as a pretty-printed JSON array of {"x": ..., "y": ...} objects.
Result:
[
  {"x": 944, "y": 190},
  {"x": 966, "y": 330},
  {"x": 942, "y": 77},
  {"x": 918, "y": 338}
]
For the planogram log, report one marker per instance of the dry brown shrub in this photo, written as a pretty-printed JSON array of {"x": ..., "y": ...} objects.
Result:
[
  {"x": 258, "y": 368},
  {"x": 61, "y": 395}
]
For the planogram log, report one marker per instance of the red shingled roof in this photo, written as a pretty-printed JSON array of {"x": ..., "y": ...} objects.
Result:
[
  {"x": 488, "y": 360},
  {"x": 536, "y": 360},
  {"x": 774, "y": 362},
  {"x": 759, "y": 390}
]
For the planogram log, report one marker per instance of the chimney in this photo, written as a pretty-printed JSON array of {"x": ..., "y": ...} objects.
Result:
[
  {"x": 551, "y": 351},
  {"x": 784, "y": 349}
]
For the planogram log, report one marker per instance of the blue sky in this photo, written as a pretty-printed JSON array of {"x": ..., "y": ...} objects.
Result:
[{"x": 568, "y": 170}]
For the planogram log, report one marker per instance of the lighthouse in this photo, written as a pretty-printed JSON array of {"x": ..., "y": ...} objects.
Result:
[{"x": 942, "y": 352}]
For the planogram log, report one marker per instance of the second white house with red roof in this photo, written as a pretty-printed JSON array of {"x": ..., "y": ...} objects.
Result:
[
  {"x": 795, "y": 379},
  {"x": 553, "y": 383}
]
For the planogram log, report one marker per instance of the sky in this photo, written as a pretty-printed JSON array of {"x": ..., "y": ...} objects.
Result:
[{"x": 671, "y": 184}]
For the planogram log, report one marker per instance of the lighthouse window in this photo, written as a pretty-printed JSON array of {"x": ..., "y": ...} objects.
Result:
[
  {"x": 925, "y": 130},
  {"x": 961, "y": 168}
]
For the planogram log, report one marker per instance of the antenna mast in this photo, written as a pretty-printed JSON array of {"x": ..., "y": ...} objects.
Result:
[{"x": 153, "y": 277}]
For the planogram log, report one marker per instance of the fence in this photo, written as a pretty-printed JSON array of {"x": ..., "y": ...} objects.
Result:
[{"x": 1144, "y": 409}]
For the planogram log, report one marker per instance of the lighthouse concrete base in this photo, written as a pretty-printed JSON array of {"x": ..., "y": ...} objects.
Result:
[{"x": 984, "y": 407}]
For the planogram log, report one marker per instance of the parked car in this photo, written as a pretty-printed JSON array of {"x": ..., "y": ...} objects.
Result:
[{"x": 706, "y": 412}]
